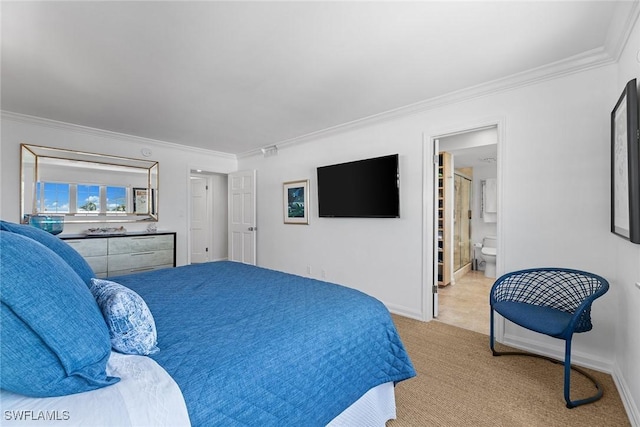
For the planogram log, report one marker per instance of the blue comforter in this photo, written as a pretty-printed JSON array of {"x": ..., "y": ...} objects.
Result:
[{"x": 251, "y": 346}]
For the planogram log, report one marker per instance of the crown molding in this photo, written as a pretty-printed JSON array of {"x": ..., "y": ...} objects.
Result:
[
  {"x": 39, "y": 121},
  {"x": 624, "y": 18},
  {"x": 594, "y": 58}
]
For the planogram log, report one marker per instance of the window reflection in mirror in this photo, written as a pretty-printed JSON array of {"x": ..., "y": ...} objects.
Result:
[{"x": 87, "y": 187}]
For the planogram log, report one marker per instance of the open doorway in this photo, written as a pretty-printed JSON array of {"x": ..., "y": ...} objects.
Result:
[
  {"x": 467, "y": 220},
  {"x": 208, "y": 221}
]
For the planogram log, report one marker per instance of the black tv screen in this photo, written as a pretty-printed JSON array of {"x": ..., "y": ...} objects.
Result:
[{"x": 362, "y": 189}]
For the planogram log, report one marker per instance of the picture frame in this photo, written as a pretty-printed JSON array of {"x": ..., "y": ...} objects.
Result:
[
  {"x": 296, "y": 202},
  {"x": 625, "y": 165},
  {"x": 141, "y": 200}
]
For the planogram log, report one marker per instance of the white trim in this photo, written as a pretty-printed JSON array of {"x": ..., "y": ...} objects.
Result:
[
  {"x": 587, "y": 60},
  {"x": 594, "y": 58},
  {"x": 428, "y": 227},
  {"x": 39, "y": 121},
  {"x": 578, "y": 358},
  {"x": 621, "y": 26},
  {"x": 624, "y": 19},
  {"x": 404, "y": 311},
  {"x": 627, "y": 398}
]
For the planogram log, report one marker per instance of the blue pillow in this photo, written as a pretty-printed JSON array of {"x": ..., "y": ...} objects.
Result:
[
  {"x": 57, "y": 245},
  {"x": 130, "y": 322},
  {"x": 53, "y": 339}
]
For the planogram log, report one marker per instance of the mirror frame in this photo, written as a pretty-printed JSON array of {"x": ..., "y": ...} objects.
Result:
[{"x": 30, "y": 158}]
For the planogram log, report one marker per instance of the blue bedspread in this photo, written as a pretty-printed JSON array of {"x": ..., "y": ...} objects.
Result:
[{"x": 251, "y": 346}]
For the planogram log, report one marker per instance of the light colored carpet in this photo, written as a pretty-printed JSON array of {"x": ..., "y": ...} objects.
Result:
[{"x": 459, "y": 383}]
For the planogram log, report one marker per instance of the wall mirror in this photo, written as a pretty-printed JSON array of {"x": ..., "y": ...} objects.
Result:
[{"x": 87, "y": 187}]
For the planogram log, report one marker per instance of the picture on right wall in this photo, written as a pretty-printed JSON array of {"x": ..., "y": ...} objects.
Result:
[{"x": 625, "y": 165}]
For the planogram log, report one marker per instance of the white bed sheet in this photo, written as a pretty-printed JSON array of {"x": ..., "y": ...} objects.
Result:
[
  {"x": 373, "y": 409},
  {"x": 145, "y": 396}
]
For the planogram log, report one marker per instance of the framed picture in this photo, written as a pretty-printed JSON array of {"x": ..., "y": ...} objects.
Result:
[
  {"x": 625, "y": 165},
  {"x": 296, "y": 202},
  {"x": 141, "y": 200}
]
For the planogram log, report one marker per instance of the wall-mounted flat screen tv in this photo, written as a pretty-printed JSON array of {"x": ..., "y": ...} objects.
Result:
[{"x": 361, "y": 189}]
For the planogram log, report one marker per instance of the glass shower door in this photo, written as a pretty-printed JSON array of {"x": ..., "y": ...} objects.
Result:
[{"x": 462, "y": 222}]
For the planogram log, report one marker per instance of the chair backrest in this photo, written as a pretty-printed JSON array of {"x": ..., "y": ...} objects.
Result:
[{"x": 560, "y": 288}]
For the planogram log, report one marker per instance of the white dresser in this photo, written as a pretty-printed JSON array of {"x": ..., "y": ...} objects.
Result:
[{"x": 127, "y": 254}]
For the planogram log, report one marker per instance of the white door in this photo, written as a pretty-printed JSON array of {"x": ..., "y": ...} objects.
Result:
[
  {"x": 242, "y": 216},
  {"x": 200, "y": 219}
]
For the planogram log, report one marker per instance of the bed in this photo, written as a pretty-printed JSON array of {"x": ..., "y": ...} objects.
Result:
[{"x": 238, "y": 345}]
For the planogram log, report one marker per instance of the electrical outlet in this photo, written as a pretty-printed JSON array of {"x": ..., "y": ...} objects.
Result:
[
  {"x": 309, "y": 270},
  {"x": 323, "y": 274}
]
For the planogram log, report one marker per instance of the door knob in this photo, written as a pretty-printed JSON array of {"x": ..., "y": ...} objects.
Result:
[{"x": 253, "y": 228}]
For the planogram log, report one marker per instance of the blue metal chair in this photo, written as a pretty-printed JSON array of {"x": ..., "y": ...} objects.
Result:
[{"x": 551, "y": 301}]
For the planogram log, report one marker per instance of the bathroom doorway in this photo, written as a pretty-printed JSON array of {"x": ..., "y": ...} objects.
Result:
[{"x": 463, "y": 301}]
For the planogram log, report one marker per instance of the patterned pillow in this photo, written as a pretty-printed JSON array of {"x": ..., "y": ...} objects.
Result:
[{"x": 130, "y": 322}]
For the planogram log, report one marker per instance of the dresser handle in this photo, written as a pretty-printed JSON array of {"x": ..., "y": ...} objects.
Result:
[
  {"x": 143, "y": 238},
  {"x": 135, "y": 270},
  {"x": 143, "y": 253}
]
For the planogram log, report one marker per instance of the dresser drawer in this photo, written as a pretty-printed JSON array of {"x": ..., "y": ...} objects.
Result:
[
  {"x": 138, "y": 270},
  {"x": 94, "y": 251},
  {"x": 89, "y": 247},
  {"x": 115, "y": 256},
  {"x": 98, "y": 264},
  {"x": 133, "y": 244},
  {"x": 139, "y": 260}
]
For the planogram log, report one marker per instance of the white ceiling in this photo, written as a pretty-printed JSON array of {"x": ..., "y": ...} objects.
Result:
[{"x": 236, "y": 76}]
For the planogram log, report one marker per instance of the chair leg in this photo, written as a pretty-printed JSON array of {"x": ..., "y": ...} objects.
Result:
[
  {"x": 491, "y": 335},
  {"x": 567, "y": 373},
  {"x": 567, "y": 380},
  {"x": 567, "y": 369}
]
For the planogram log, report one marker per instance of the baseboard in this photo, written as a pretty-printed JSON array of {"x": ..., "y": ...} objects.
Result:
[
  {"x": 404, "y": 311},
  {"x": 627, "y": 399},
  {"x": 557, "y": 352}
]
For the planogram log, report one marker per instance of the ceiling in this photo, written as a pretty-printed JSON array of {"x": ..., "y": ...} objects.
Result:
[{"x": 236, "y": 76}]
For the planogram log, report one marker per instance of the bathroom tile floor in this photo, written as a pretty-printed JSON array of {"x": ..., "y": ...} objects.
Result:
[{"x": 466, "y": 303}]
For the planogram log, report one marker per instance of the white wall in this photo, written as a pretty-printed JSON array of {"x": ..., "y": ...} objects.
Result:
[
  {"x": 382, "y": 257},
  {"x": 626, "y": 260},
  {"x": 174, "y": 165},
  {"x": 554, "y": 199}
]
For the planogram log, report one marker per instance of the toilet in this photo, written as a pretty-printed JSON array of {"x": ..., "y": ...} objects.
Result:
[{"x": 488, "y": 254}]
